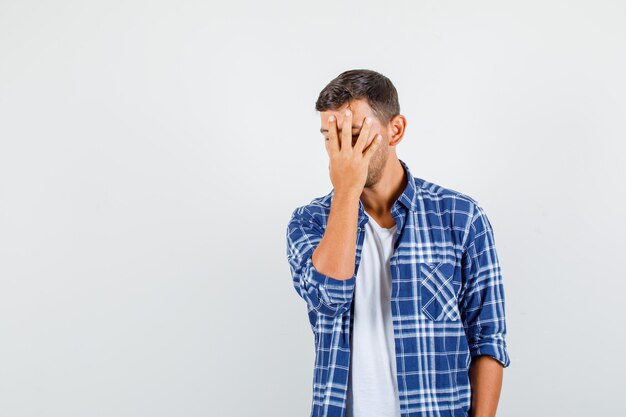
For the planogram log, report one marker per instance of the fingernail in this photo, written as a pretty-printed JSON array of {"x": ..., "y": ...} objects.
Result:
[
  {"x": 331, "y": 119},
  {"x": 368, "y": 120},
  {"x": 347, "y": 112}
]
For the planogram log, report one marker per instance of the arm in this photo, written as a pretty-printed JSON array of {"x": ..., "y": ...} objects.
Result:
[
  {"x": 326, "y": 284},
  {"x": 483, "y": 314},
  {"x": 486, "y": 381},
  {"x": 336, "y": 253}
]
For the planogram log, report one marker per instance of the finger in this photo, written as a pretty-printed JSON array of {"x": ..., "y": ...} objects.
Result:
[
  {"x": 378, "y": 141},
  {"x": 346, "y": 131},
  {"x": 332, "y": 144},
  {"x": 364, "y": 135}
]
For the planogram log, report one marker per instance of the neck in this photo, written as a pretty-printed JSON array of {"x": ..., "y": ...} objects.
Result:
[{"x": 379, "y": 198}]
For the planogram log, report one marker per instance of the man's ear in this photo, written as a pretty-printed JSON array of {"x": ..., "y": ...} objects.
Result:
[{"x": 398, "y": 126}]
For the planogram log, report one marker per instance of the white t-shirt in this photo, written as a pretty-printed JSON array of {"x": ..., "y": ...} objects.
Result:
[{"x": 372, "y": 383}]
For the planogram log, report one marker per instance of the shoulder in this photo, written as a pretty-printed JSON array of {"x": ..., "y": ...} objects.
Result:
[
  {"x": 464, "y": 212},
  {"x": 447, "y": 198},
  {"x": 317, "y": 210}
]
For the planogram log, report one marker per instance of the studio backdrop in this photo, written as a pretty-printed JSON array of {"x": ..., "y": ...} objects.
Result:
[{"x": 151, "y": 154}]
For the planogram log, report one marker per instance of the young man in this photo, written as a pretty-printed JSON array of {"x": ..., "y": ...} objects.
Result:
[{"x": 400, "y": 275}]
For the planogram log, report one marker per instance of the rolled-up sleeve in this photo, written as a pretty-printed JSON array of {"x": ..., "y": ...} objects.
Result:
[
  {"x": 482, "y": 295},
  {"x": 324, "y": 294}
]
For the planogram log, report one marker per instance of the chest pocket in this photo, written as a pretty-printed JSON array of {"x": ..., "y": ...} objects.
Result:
[{"x": 438, "y": 291}]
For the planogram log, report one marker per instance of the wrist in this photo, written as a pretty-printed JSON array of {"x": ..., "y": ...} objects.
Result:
[{"x": 347, "y": 194}]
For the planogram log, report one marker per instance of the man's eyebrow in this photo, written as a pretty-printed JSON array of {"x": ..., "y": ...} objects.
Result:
[{"x": 322, "y": 130}]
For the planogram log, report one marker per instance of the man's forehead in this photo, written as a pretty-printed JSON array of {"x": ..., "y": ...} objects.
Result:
[
  {"x": 357, "y": 115},
  {"x": 339, "y": 114},
  {"x": 360, "y": 110},
  {"x": 357, "y": 107}
]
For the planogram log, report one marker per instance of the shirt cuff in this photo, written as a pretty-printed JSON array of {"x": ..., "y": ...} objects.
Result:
[
  {"x": 496, "y": 350},
  {"x": 333, "y": 291}
]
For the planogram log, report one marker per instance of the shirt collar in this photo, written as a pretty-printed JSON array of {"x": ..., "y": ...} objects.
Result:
[{"x": 409, "y": 196}]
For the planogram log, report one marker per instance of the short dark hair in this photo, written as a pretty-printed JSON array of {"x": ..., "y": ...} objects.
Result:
[{"x": 378, "y": 90}]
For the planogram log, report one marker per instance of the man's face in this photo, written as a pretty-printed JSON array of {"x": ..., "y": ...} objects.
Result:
[{"x": 360, "y": 110}]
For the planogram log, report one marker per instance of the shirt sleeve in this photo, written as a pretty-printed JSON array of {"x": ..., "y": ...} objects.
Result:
[
  {"x": 324, "y": 294},
  {"x": 482, "y": 299}
]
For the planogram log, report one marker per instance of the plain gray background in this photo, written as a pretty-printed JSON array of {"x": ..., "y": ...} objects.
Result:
[{"x": 152, "y": 152}]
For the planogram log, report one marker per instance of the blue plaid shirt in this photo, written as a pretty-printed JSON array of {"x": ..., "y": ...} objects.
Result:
[{"x": 447, "y": 299}]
